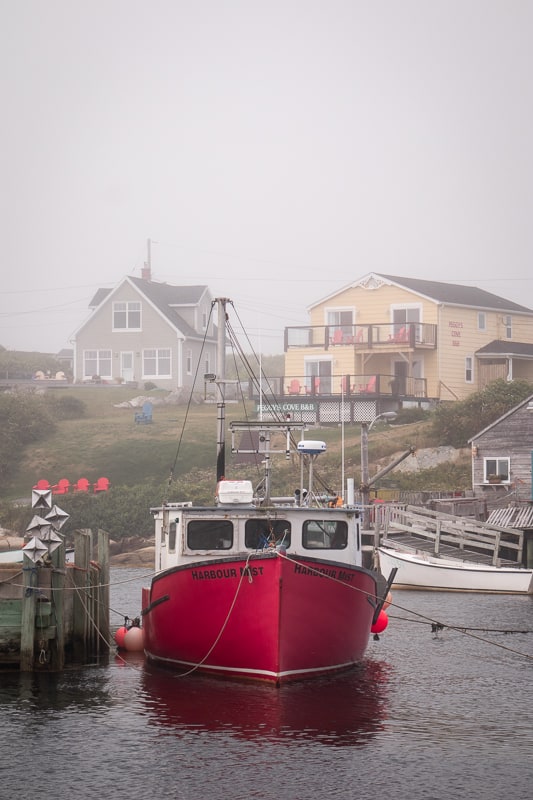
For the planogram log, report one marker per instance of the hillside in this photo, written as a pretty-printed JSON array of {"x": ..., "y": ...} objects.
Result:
[{"x": 106, "y": 441}]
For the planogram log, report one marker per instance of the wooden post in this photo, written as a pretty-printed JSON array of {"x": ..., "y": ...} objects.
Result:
[
  {"x": 58, "y": 605},
  {"x": 82, "y": 555},
  {"x": 27, "y": 629},
  {"x": 103, "y": 592}
]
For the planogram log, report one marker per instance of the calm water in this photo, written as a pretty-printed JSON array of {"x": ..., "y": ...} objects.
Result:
[{"x": 426, "y": 716}]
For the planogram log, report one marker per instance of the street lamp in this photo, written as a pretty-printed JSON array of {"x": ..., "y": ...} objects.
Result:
[{"x": 389, "y": 416}]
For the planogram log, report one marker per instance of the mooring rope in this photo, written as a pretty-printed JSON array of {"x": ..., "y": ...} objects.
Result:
[{"x": 424, "y": 618}]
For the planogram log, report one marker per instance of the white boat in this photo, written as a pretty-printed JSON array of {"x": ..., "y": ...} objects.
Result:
[{"x": 424, "y": 571}]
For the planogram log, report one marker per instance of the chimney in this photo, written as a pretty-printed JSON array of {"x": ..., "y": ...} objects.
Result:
[{"x": 146, "y": 272}]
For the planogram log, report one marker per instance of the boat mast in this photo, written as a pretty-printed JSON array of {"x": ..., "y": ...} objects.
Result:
[{"x": 221, "y": 388}]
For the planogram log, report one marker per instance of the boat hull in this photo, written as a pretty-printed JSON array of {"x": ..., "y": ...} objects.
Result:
[
  {"x": 425, "y": 572},
  {"x": 269, "y": 617}
]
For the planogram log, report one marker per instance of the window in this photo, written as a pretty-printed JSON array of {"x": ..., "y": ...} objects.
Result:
[
  {"x": 262, "y": 533},
  {"x": 172, "y": 537},
  {"x": 210, "y": 534},
  {"x": 508, "y": 323},
  {"x": 469, "y": 369},
  {"x": 204, "y": 319},
  {"x": 97, "y": 362},
  {"x": 340, "y": 320},
  {"x": 127, "y": 316},
  {"x": 156, "y": 363},
  {"x": 188, "y": 362},
  {"x": 496, "y": 470},
  {"x": 481, "y": 321},
  {"x": 328, "y": 534},
  {"x": 403, "y": 318}
]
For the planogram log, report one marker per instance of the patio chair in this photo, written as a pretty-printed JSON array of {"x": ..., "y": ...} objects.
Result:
[
  {"x": 81, "y": 485},
  {"x": 370, "y": 387},
  {"x": 101, "y": 485},
  {"x": 61, "y": 487},
  {"x": 294, "y": 387},
  {"x": 144, "y": 417}
]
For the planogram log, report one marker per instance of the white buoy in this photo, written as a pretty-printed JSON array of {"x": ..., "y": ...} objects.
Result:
[{"x": 134, "y": 640}]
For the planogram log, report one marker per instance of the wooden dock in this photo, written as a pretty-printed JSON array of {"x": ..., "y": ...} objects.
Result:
[
  {"x": 53, "y": 612},
  {"x": 419, "y": 529}
]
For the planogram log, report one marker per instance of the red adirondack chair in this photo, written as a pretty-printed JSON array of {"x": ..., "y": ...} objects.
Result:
[
  {"x": 101, "y": 485},
  {"x": 61, "y": 487},
  {"x": 81, "y": 485}
]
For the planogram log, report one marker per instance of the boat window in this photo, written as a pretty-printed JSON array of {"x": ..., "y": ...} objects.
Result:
[
  {"x": 210, "y": 534},
  {"x": 325, "y": 534},
  {"x": 172, "y": 537},
  {"x": 262, "y": 533}
]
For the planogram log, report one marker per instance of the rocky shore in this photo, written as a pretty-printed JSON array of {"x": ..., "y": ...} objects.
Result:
[{"x": 129, "y": 552}]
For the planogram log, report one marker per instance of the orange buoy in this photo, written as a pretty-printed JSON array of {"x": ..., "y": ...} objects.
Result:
[
  {"x": 134, "y": 640},
  {"x": 388, "y": 601},
  {"x": 119, "y": 636},
  {"x": 381, "y": 623}
]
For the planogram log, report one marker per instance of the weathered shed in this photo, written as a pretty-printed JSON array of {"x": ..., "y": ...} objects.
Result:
[{"x": 502, "y": 456}]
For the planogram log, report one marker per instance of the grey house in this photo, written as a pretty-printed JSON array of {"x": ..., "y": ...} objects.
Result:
[
  {"x": 502, "y": 456},
  {"x": 147, "y": 331}
]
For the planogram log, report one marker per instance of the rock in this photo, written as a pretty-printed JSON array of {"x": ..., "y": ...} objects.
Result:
[{"x": 144, "y": 557}]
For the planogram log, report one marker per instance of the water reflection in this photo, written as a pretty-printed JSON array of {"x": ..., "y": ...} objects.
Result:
[{"x": 341, "y": 710}]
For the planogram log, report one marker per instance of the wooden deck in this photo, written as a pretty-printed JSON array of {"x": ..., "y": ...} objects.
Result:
[{"x": 419, "y": 529}]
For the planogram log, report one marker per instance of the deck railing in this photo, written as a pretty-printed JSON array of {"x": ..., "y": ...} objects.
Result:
[{"x": 380, "y": 336}]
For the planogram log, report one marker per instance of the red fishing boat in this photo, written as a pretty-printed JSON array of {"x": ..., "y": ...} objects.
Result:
[{"x": 257, "y": 587}]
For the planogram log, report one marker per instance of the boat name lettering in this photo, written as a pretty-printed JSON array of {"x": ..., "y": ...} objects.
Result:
[
  {"x": 319, "y": 573},
  {"x": 322, "y": 572},
  {"x": 220, "y": 572},
  {"x": 213, "y": 574}
]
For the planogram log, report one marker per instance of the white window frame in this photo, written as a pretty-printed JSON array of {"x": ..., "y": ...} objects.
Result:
[
  {"x": 103, "y": 360},
  {"x": 188, "y": 361},
  {"x": 481, "y": 321},
  {"x": 469, "y": 368},
  {"x": 130, "y": 307},
  {"x": 497, "y": 463},
  {"x": 508, "y": 324},
  {"x": 158, "y": 354}
]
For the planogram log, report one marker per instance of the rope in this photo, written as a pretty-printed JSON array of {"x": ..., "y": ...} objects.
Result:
[{"x": 428, "y": 620}]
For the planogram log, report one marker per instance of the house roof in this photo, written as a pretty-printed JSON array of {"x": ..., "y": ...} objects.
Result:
[
  {"x": 504, "y": 348},
  {"x": 527, "y": 402},
  {"x": 165, "y": 297},
  {"x": 448, "y": 293}
]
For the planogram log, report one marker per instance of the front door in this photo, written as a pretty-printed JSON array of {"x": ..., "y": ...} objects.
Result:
[{"x": 126, "y": 366}]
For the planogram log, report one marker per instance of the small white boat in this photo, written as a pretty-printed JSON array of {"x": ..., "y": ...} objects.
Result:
[{"x": 423, "y": 571}]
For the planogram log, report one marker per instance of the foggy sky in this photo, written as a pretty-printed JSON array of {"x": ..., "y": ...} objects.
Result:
[{"x": 274, "y": 151}]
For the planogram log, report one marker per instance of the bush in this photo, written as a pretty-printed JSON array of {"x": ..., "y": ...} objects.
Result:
[
  {"x": 67, "y": 407},
  {"x": 455, "y": 423},
  {"x": 149, "y": 385}
]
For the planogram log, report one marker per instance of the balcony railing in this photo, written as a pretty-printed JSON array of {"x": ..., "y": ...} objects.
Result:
[
  {"x": 381, "y": 336},
  {"x": 336, "y": 386}
]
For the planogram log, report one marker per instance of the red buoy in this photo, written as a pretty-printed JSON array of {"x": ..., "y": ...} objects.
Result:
[
  {"x": 119, "y": 636},
  {"x": 381, "y": 623}
]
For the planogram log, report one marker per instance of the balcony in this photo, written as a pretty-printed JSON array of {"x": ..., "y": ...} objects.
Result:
[
  {"x": 381, "y": 337},
  {"x": 364, "y": 386},
  {"x": 332, "y": 399}
]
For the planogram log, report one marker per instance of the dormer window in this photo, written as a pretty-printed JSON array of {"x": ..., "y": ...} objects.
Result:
[{"x": 127, "y": 315}]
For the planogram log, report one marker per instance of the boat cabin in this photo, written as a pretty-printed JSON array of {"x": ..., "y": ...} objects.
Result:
[{"x": 187, "y": 534}]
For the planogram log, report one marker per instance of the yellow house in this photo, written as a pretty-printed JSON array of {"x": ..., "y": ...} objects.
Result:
[{"x": 408, "y": 339}]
